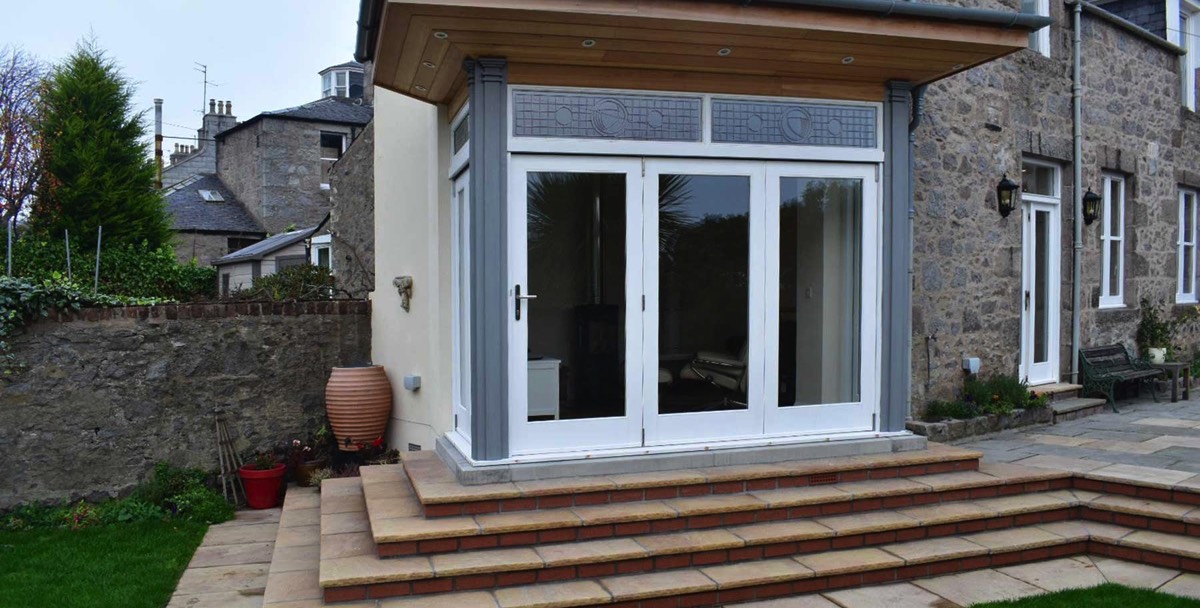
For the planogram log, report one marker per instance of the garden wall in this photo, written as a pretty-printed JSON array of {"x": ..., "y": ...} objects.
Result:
[{"x": 109, "y": 392}]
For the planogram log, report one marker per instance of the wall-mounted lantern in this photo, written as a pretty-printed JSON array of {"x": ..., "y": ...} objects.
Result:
[
  {"x": 1091, "y": 207},
  {"x": 1006, "y": 195}
]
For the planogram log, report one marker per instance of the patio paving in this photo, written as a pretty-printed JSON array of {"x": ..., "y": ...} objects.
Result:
[
  {"x": 1148, "y": 441},
  {"x": 229, "y": 569}
]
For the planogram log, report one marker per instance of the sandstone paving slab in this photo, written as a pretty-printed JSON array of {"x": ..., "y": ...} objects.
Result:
[
  {"x": 473, "y": 599},
  {"x": 556, "y": 595},
  {"x": 300, "y": 517},
  {"x": 343, "y": 486},
  {"x": 217, "y": 599},
  {"x": 232, "y": 555},
  {"x": 347, "y": 545},
  {"x": 1078, "y": 530},
  {"x": 474, "y": 562},
  {"x": 1058, "y": 574},
  {"x": 301, "y": 498},
  {"x": 1168, "y": 422},
  {"x": 1127, "y": 447},
  {"x": 395, "y": 490},
  {"x": 369, "y": 569},
  {"x": 876, "y": 488},
  {"x": 1015, "y": 539},
  {"x": 946, "y": 512},
  {"x": 977, "y": 587},
  {"x": 293, "y": 586},
  {"x": 320, "y": 603},
  {"x": 622, "y": 512},
  {"x": 567, "y": 485},
  {"x": 738, "y": 472},
  {"x": 390, "y": 508},
  {"x": 692, "y": 540},
  {"x": 341, "y": 504},
  {"x": 1184, "y": 585},
  {"x": 225, "y": 578},
  {"x": 291, "y": 559},
  {"x": 1140, "y": 506},
  {"x": 1174, "y": 544},
  {"x": 657, "y": 584},
  {"x": 568, "y": 554},
  {"x": 756, "y": 573},
  {"x": 418, "y": 528},
  {"x": 807, "y": 495},
  {"x": 870, "y": 521},
  {"x": 1028, "y": 503},
  {"x": 1150, "y": 476},
  {"x": 254, "y": 516},
  {"x": 853, "y": 560},
  {"x": 1063, "y": 463},
  {"x": 943, "y": 482},
  {"x": 1133, "y": 574},
  {"x": 232, "y": 535},
  {"x": 1058, "y": 440},
  {"x": 1018, "y": 473},
  {"x": 800, "y": 601},
  {"x": 782, "y": 531},
  {"x": 935, "y": 549},
  {"x": 903, "y": 595},
  {"x": 652, "y": 479},
  {"x": 717, "y": 503},
  {"x": 518, "y": 521},
  {"x": 298, "y": 536},
  {"x": 345, "y": 522}
]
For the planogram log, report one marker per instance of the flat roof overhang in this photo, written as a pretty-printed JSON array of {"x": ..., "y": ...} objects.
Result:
[{"x": 793, "y": 48}]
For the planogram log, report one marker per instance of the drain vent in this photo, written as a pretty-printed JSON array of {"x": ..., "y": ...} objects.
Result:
[{"x": 821, "y": 479}]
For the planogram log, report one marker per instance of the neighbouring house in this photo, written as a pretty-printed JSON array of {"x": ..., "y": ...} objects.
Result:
[
  {"x": 209, "y": 221},
  {"x": 238, "y": 270},
  {"x": 277, "y": 164},
  {"x": 352, "y": 216}
]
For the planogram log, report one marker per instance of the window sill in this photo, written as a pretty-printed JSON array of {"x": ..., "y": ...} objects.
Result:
[{"x": 1121, "y": 306}]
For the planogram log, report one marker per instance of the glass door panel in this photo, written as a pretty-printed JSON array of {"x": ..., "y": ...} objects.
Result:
[
  {"x": 1040, "y": 300},
  {"x": 575, "y": 349},
  {"x": 819, "y": 267},
  {"x": 703, "y": 276}
]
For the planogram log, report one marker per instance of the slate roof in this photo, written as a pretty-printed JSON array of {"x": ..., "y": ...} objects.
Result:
[
  {"x": 190, "y": 212},
  {"x": 266, "y": 247},
  {"x": 338, "y": 110},
  {"x": 348, "y": 64}
]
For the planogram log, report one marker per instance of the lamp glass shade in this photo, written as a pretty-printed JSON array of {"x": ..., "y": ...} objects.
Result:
[
  {"x": 1006, "y": 194},
  {"x": 1091, "y": 207}
]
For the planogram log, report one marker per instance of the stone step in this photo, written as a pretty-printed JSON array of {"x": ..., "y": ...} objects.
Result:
[
  {"x": 1057, "y": 390},
  {"x": 441, "y": 495},
  {"x": 1077, "y": 407},
  {"x": 728, "y": 583},
  {"x": 399, "y": 529},
  {"x": 505, "y": 567}
]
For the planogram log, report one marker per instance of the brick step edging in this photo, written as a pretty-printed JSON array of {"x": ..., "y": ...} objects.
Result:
[
  {"x": 699, "y": 522},
  {"x": 564, "y": 500}
]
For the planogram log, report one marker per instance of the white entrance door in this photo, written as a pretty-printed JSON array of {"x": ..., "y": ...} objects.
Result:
[
  {"x": 1040, "y": 303},
  {"x": 704, "y": 277},
  {"x": 575, "y": 326}
]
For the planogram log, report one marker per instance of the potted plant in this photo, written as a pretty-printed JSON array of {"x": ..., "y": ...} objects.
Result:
[
  {"x": 358, "y": 401},
  {"x": 306, "y": 457},
  {"x": 1154, "y": 333},
  {"x": 262, "y": 478}
]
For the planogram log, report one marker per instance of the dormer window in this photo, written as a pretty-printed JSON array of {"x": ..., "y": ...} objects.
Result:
[{"x": 336, "y": 83}]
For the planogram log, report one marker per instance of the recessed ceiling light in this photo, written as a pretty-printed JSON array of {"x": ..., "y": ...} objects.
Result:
[
  {"x": 847, "y": 60},
  {"x": 441, "y": 35},
  {"x": 957, "y": 66},
  {"x": 589, "y": 43},
  {"x": 420, "y": 88},
  {"x": 428, "y": 64},
  {"x": 725, "y": 52}
]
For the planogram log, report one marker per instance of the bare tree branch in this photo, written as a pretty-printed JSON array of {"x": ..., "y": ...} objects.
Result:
[{"x": 20, "y": 83}]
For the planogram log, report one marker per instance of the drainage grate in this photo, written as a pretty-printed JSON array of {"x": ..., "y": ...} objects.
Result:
[
  {"x": 821, "y": 479},
  {"x": 412, "y": 447}
]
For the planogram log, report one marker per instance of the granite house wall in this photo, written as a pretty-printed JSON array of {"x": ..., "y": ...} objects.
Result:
[
  {"x": 980, "y": 124},
  {"x": 107, "y": 393}
]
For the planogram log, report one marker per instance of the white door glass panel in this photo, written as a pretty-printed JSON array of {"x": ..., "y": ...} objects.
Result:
[
  {"x": 1040, "y": 300},
  {"x": 460, "y": 271},
  {"x": 1186, "y": 292},
  {"x": 822, "y": 342},
  {"x": 703, "y": 248},
  {"x": 575, "y": 349}
]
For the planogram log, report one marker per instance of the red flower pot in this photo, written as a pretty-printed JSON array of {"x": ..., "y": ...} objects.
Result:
[{"x": 262, "y": 487}]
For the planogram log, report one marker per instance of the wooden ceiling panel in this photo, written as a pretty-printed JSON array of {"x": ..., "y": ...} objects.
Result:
[{"x": 673, "y": 45}]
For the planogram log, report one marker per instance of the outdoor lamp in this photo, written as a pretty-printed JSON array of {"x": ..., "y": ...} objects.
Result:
[
  {"x": 1091, "y": 207},
  {"x": 1006, "y": 194}
]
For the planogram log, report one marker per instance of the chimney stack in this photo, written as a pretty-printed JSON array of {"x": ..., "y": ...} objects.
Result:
[
  {"x": 212, "y": 106},
  {"x": 229, "y": 108}
]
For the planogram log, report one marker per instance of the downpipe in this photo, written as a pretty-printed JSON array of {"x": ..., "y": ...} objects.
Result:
[{"x": 1077, "y": 162}]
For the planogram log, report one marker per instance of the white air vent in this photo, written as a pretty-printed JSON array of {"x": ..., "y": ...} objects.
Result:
[{"x": 211, "y": 196}]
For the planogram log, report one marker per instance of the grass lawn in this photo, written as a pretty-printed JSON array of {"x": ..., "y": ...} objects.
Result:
[
  {"x": 1104, "y": 596},
  {"x": 132, "y": 565}
]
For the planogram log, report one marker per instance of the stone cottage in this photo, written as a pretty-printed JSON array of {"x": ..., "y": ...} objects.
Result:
[{"x": 977, "y": 275}]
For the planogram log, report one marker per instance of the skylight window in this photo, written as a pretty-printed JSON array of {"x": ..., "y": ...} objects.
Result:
[{"x": 211, "y": 196}]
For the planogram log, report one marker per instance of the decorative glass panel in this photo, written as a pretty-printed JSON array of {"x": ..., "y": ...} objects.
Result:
[
  {"x": 1039, "y": 179},
  {"x": 806, "y": 124},
  {"x": 606, "y": 116},
  {"x": 1041, "y": 285}
]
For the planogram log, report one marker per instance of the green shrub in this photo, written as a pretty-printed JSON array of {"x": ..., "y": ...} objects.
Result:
[
  {"x": 998, "y": 394},
  {"x": 201, "y": 504},
  {"x": 304, "y": 282},
  {"x": 130, "y": 270},
  {"x": 941, "y": 410}
]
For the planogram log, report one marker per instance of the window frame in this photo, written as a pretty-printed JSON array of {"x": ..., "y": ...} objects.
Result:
[
  {"x": 1186, "y": 37},
  {"x": 1039, "y": 41},
  {"x": 323, "y": 158},
  {"x": 1109, "y": 234},
  {"x": 1185, "y": 247}
]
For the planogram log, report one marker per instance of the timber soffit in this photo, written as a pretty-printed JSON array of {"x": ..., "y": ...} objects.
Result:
[{"x": 778, "y": 46}]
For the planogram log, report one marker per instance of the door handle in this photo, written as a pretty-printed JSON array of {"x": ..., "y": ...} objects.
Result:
[
  {"x": 1026, "y": 299},
  {"x": 521, "y": 297}
]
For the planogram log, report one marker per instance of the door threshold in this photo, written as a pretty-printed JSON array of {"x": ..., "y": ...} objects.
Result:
[{"x": 672, "y": 457}]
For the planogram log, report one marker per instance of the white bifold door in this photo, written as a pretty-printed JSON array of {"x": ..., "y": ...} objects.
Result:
[{"x": 658, "y": 302}]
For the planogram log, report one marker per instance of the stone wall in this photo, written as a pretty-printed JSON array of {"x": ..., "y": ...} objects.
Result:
[
  {"x": 352, "y": 219},
  {"x": 980, "y": 124},
  {"x": 109, "y": 392},
  {"x": 200, "y": 246},
  {"x": 274, "y": 167}
]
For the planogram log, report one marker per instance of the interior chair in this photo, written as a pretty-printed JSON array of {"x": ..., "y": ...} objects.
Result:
[{"x": 720, "y": 370}]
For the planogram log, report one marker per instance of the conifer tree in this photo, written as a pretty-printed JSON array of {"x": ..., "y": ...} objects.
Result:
[{"x": 96, "y": 170}]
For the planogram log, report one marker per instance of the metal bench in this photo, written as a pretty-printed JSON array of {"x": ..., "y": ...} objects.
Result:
[{"x": 1106, "y": 366}]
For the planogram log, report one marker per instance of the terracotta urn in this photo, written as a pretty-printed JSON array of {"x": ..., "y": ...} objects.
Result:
[{"x": 358, "y": 401}]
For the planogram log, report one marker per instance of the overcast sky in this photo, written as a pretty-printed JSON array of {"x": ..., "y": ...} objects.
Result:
[{"x": 263, "y": 54}]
